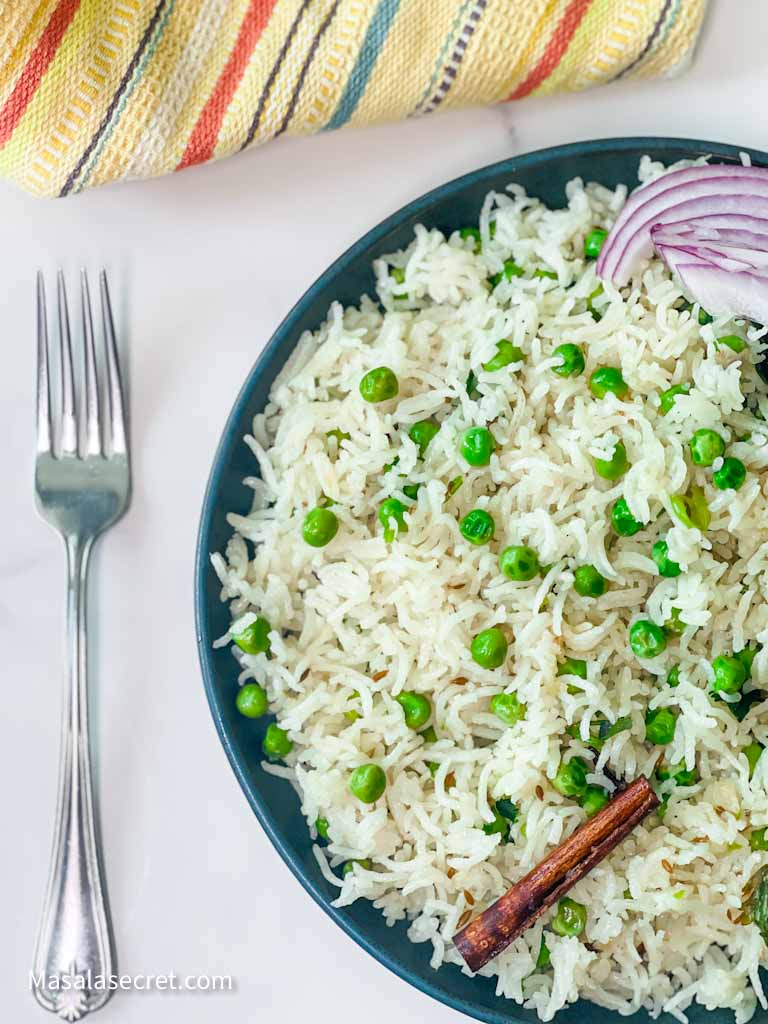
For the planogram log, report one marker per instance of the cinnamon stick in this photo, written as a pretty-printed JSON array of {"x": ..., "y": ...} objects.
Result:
[{"x": 491, "y": 932}]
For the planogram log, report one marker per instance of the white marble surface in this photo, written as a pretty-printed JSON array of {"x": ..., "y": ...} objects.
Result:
[{"x": 204, "y": 265}]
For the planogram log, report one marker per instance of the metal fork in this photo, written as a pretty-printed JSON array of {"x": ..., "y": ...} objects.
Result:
[{"x": 81, "y": 489}]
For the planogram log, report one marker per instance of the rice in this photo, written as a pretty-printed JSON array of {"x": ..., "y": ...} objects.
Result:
[{"x": 359, "y": 621}]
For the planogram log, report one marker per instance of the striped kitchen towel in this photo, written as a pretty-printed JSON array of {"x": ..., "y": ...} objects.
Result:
[{"x": 93, "y": 91}]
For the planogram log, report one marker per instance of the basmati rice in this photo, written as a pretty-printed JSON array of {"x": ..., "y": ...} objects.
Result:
[{"x": 359, "y": 621}]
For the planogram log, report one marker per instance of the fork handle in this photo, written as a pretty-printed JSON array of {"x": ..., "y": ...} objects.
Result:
[{"x": 75, "y": 938}]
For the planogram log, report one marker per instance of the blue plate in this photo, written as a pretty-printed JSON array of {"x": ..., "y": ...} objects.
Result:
[{"x": 543, "y": 174}]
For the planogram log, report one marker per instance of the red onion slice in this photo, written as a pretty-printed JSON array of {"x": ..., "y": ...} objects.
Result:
[
  {"x": 632, "y": 243},
  {"x": 681, "y": 254},
  {"x": 710, "y": 225},
  {"x": 675, "y": 257},
  {"x": 672, "y": 180},
  {"x": 739, "y": 226},
  {"x": 731, "y": 257},
  {"x": 740, "y": 257},
  {"x": 726, "y": 293},
  {"x": 706, "y": 229}
]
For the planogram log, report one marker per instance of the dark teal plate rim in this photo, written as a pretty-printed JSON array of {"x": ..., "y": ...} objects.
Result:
[{"x": 225, "y": 493}]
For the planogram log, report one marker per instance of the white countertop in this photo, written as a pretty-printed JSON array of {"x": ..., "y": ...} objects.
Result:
[{"x": 203, "y": 266}]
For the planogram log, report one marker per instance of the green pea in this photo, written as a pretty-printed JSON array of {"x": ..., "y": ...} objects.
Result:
[
  {"x": 477, "y": 446},
  {"x": 572, "y": 364},
  {"x": 616, "y": 466},
  {"x": 692, "y": 509},
  {"x": 680, "y": 775},
  {"x": 367, "y": 782},
  {"x": 252, "y": 701},
  {"x": 758, "y": 840},
  {"x": 673, "y": 676},
  {"x": 507, "y": 808},
  {"x": 506, "y": 353},
  {"x": 429, "y": 735},
  {"x": 665, "y": 565},
  {"x": 703, "y": 317},
  {"x": 570, "y": 919},
  {"x": 321, "y": 827},
  {"x": 499, "y": 826},
  {"x": 508, "y": 708},
  {"x": 706, "y": 446},
  {"x": 730, "y": 476},
  {"x": 746, "y": 657},
  {"x": 477, "y": 526},
  {"x": 571, "y": 778},
  {"x": 352, "y": 716},
  {"x": 588, "y": 582},
  {"x": 605, "y": 379},
  {"x": 519, "y": 562},
  {"x": 349, "y": 865},
  {"x": 320, "y": 527},
  {"x": 752, "y": 752},
  {"x": 276, "y": 743},
  {"x": 660, "y": 726},
  {"x": 254, "y": 639},
  {"x": 597, "y": 316},
  {"x": 474, "y": 234},
  {"x": 489, "y": 648},
  {"x": 392, "y": 509},
  {"x": 510, "y": 270},
  {"x": 594, "y": 799},
  {"x": 667, "y": 398},
  {"x": 684, "y": 776},
  {"x": 422, "y": 432},
  {"x": 412, "y": 491},
  {"x": 624, "y": 523},
  {"x": 646, "y": 639},
  {"x": 674, "y": 625},
  {"x": 593, "y": 243},
  {"x": 573, "y": 667},
  {"x": 543, "y": 959},
  {"x": 340, "y": 435},
  {"x": 398, "y": 276},
  {"x": 379, "y": 385},
  {"x": 730, "y": 674},
  {"x": 733, "y": 341},
  {"x": 416, "y": 708}
]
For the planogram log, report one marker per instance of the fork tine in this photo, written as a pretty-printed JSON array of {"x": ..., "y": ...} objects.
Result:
[
  {"x": 92, "y": 427},
  {"x": 43, "y": 394},
  {"x": 68, "y": 420},
  {"x": 115, "y": 387}
]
